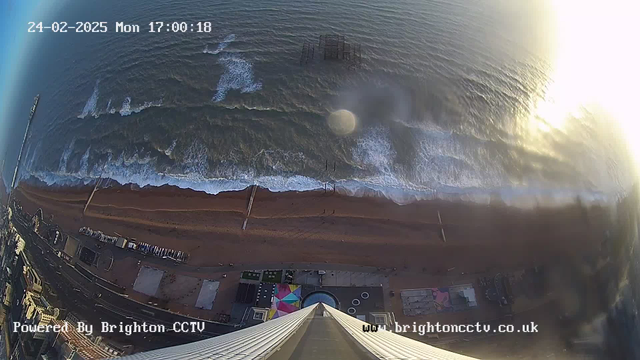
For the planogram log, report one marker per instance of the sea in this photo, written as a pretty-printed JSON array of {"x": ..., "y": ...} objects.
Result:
[{"x": 446, "y": 99}]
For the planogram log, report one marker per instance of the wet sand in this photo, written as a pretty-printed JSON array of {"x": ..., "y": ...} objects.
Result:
[{"x": 318, "y": 227}]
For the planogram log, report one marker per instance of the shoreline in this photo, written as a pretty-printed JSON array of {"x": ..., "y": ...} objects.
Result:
[
  {"x": 236, "y": 201},
  {"x": 516, "y": 196}
]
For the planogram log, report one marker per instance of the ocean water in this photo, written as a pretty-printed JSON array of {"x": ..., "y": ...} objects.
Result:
[{"x": 445, "y": 102}]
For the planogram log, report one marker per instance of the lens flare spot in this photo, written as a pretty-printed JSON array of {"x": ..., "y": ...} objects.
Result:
[{"x": 342, "y": 122}]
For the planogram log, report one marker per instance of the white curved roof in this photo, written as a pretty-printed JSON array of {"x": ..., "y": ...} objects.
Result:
[
  {"x": 261, "y": 341},
  {"x": 256, "y": 342}
]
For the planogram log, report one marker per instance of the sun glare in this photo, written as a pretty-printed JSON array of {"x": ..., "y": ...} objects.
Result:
[{"x": 596, "y": 63}]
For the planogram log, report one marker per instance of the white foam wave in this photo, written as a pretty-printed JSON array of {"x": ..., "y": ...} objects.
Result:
[
  {"x": 278, "y": 160},
  {"x": 169, "y": 150},
  {"x": 522, "y": 197},
  {"x": 127, "y": 110},
  {"x": 126, "y": 107},
  {"x": 84, "y": 162},
  {"x": 238, "y": 75},
  {"x": 62, "y": 168},
  {"x": 374, "y": 149},
  {"x": 140, "y": 170},
  {"x": 445, "y": 161},
  {"x": 227, "y": 40},
  {"x": 195, "y": 162},
  {"x": 141, "y": 173},
  {"x": 90, "y": 106},
  {"x": 109, "y": 109},
  {"x": 28, "y": 162},
  {"x": 442, "y": 170},
  {"x": 374, "y": 153}
]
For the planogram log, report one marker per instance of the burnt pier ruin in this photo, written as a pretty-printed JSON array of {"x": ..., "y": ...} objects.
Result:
[{"x": 333, "y": 47}]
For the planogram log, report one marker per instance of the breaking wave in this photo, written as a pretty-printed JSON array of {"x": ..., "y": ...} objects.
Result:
[
  {"x": 84, "y": 163},
  {"x": 227, "y": 40},
  {"x": 141, "y": 170},
  {"x": 126, "y": 107},
  {"x": 141, "y": 173},
  {"x": 195, "y": 162},
  {"x": 238, "y": 75},
  {"x": 193, "y": 173},
  {"x": 169, "y": 150},
  {"x": 374, "y": 149},
  {"x": 442, "y": 168},
  {"x": 127, "y": 110},
  {"x": 62, "y": 168},
  {"x": 28, "y": 162},
  {"x": 90, "y": 106},
  {"x": 109, "y": 109}
]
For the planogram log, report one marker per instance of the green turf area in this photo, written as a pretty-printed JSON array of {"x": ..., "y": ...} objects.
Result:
[
  {"x": 272, "y": 276},
  {"x": 251, "y": 275}
]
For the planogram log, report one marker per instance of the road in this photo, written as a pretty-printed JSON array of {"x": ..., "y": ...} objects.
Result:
[
  {"x": 325, "y": 339},
  {"x": 119, "y": 254}
]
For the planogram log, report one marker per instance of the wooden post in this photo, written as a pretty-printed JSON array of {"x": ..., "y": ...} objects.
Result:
[
  {"x": 95, "y": 188},
  {"x": 444, "y": 237},
  {"x": 253, "y": 194}
]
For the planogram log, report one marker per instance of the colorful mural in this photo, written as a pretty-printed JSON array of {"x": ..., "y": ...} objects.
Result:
[
  {"x": 286, "y": 299},
  {"x": 441, "y": 299}
]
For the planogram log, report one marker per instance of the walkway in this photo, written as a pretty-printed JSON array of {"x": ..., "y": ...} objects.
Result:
[{"x": 324, "y": 339}]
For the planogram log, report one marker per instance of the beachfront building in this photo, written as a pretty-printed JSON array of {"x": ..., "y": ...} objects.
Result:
[
  {"x": 74, "y": 345},
  {"x": 38, "y": 312},
  {"x": 30, "y": 277},
  {"x": 314, "y": 332}
]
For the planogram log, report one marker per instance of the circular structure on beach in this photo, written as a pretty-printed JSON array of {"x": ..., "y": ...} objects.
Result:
[
  {"x": 342, "y": 122},
  {"x": 320, "y": 297},
  {"x": 105, "y": 260}
]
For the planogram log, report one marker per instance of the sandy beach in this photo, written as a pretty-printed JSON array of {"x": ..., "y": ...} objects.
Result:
[{"x": 318, "y": 227}]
